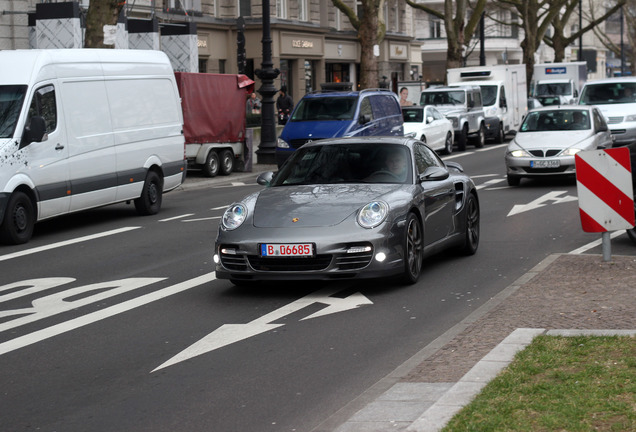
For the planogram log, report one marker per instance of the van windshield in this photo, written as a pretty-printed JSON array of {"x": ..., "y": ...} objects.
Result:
[
  {"x": 609, "y": 93},
  {"x": 443, "y": 98},
  {"x": 11, "y": 100},
  {"x": 325, "y": 108},
  {"x": 553, "y": 89},
  {"x": 489, "y": 94}
]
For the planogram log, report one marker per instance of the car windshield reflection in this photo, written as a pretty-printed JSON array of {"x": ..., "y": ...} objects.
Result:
[
  {"x": 557, "y": 120},
  {"x": 346, "y": 163}
]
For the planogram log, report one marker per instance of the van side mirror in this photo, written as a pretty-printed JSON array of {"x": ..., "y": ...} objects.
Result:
[{"x": 35, "y": 131}]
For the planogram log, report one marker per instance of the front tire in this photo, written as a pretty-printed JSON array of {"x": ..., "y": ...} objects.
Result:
[
  {"x": 499, "y": 139},
  {"x": 448, "y": 144},
  {"x": 480, "y": 140},
  {"x": 413, "y": 249},
  {"x": 513, "y": 180},
  {"x": 471, "y": 241},
  {"x": 149, "y": 202},
  {"x": 19, "y": 220},
  {"x": 631, "y": 233},
  {"x": 463, "y": 138}
]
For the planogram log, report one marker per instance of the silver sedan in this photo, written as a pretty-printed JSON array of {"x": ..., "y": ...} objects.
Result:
[
  {"x": 349, "y": 208},
  {"x": 549, "y": 138}
]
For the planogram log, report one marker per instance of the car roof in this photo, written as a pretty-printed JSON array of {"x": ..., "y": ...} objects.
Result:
[
  {"x": 564, "y": 108},
  {"x": 350, "y": 93},
  {"x": 396, "y": 140},
  {"x": 612, "y": 80}
]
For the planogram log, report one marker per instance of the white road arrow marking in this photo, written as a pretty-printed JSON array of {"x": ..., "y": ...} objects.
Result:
[
  {"x": 230, "y": 333},
  {"x": 542, "y": 201}
]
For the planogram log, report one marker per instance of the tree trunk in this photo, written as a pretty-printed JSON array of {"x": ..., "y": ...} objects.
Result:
[
  {"x": 100, "y": 13},
  {"x": 367, "y": 36}
]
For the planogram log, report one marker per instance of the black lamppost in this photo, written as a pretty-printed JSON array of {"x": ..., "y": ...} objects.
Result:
[
  {"x": 482, "y": 44},
  {"x": 266, "y": 153}
]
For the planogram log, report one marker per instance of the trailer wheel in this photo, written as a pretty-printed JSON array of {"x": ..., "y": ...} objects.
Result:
[
  {"x": 149, "y": 202},
  {"x": 211, "y": 167},
  {"x": 227, "y": 162},
  {"x": 19, "y": 219}
]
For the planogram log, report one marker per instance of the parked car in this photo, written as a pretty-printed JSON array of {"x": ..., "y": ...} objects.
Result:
[
  {"x": 349, "y": 208},
  {"x": 462, "y": 105},
  {"x": 429, "y": 126},
  {"x": 549, "y": 138},
  {"x": 332, "y": 114},
  {"x": 534, "y": 103}
]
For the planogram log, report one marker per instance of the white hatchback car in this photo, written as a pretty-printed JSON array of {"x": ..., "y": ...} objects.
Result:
[
  {"x": 549, "y": 137},
  {"x": 428, "y": 125}
]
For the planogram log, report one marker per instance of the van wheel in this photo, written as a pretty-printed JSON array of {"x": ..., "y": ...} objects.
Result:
[
  {"x": 463, "y": 138},
  {"x": 149, "y": 202},
  {"x": 211, "y": 167},
  {"x": 227, "y": 162},
  {"x": 19, "y": 219},
  {"x": 448, "y": 144},
  {"x": 499, "y": 139}
]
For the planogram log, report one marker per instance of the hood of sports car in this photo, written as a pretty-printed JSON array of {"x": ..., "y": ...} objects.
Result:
[{"x": 316, "y": 205}]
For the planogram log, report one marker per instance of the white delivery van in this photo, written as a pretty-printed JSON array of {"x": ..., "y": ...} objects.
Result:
[
  {"x": 503, "y": 93},
  {"x": 558, "y": 83},
  {"x": 82, "y": 128}
]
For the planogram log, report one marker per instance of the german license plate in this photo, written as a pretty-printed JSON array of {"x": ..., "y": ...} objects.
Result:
[
  {"x": 287, "y": 249},
  {"x": 553, "y": 163}
]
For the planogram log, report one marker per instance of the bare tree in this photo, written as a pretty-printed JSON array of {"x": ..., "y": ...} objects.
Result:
[
  {"x": 559, "y": 41},
  {"x": 535, "y": 17},
  {"x": 612, "y": 44},
  {"x": 100, "y": 13},
  {"x": 459, "y": 32},
  {"x": 371, "y": 29}
]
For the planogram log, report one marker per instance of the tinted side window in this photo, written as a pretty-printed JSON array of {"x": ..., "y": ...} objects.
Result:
[
  {"x": 424, "y": 158},
  {"x": 365, "y": 108},
  {"x": 43, "y": 104}
]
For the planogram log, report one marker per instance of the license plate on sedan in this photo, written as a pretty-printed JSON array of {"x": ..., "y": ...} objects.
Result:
[
  {"x": 553, "y": 163},
  {"x": 287, "y": 250}
]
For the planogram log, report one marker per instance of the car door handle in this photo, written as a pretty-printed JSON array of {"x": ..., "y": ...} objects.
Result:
[{"x": 59, "y": 147}]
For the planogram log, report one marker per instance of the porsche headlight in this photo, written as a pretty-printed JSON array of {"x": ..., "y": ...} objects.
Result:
[
  {"x": 373, "y": 214},
  {"x": 282, "y": 143},
  {"x": 234, "y": 216}
]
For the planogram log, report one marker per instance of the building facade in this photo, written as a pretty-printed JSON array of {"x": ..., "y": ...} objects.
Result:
[{"x": 312, "y": 41}]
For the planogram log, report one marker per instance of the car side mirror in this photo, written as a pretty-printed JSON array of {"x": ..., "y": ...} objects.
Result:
[
  {"x": 429, "y": 120},
  {"x": 264, "y": 179},
  {"x": 365, "y": 118},
  {"x": 603, "y": 128},
  {"x": 434, "y": 173},
  {"x": 35, "y": 131}
]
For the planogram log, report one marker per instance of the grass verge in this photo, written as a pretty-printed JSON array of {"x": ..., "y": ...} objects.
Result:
[{"x": 558, "y": 383}]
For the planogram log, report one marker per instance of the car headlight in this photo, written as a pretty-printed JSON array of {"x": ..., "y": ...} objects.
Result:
[
  {"x": 234, "y": 216},
  {"x": 373, "y": 214},
  {"x": 518, "y": 153},
  {"x": 570, "y": 151},
  {"x": 631, "y": 117},
  {"x": 410, "y": 135},
  {"x": 282, "y": 143}
]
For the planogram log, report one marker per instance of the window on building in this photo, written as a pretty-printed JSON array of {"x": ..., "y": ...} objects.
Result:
[
  {"x": 281, "y": 9},
  {"x": 303, "y": 10},
  {"x": 185, "y": 5},
  {"x": 245, "y": 8},
  {"x": 435, "y": 27}
]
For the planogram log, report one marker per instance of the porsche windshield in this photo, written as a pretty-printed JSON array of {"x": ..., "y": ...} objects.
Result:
[
  {"x": 443, "y": 98},
  {"x": 11, "y": 100},
  {"x": 325, "y": 108},
  {"x": 346, "y": 163}
]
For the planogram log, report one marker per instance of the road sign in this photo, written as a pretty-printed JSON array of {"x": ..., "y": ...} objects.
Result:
[{"x": 604, "y": 186}]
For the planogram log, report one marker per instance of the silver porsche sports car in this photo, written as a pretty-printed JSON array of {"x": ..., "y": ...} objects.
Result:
[{"x": 349, "y": 208}]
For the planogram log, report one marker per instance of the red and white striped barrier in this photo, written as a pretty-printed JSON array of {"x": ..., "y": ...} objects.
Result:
[{"x": 604, "y": 186}]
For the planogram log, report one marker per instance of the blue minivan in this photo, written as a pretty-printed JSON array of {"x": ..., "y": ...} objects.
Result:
[{"x": 330, "y": 114}]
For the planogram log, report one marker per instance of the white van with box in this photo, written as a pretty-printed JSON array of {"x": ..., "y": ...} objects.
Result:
[{"x": 83, "y": 128}]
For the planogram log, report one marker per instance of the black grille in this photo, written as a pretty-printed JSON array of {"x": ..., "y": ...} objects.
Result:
[
  {"x": 547, "y": 153},
  {"x": 319, "y": 262},
  {"x": 354, "y": 261},
  {"x": 546, "y": 170},
  {"x": 234, "y": 262},
  {"x": 300, "y": 142}
]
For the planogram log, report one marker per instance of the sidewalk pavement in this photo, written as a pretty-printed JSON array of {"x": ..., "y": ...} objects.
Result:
[{"x": 564, "y": 294}]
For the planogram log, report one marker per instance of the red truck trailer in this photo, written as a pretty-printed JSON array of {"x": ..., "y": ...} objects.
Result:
[{"x": 214, "y": 119}]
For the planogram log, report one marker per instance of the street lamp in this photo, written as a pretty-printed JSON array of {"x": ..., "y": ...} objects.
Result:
[{"x": 266, "y": 153}]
